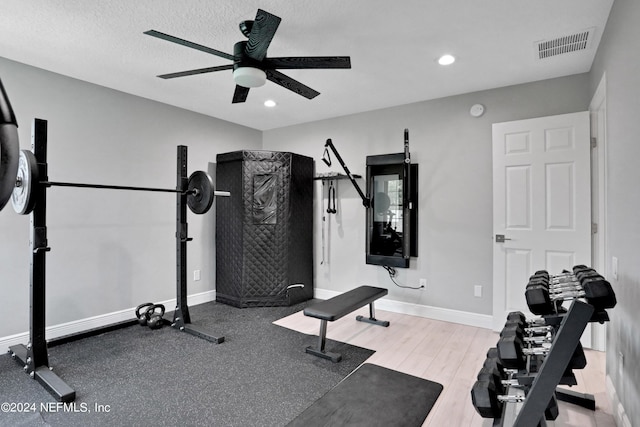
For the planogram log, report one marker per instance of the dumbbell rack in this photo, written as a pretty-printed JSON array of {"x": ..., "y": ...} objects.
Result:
[
  {"x": 531, "y": 410},
  {"x": 34, "y": 356},
  {"x": 528, "y": 396}
]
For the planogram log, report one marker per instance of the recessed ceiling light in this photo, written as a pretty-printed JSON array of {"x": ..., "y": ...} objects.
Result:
[
  {"x": 270, "y": 103},
  {"x": 446, "y": 60}
]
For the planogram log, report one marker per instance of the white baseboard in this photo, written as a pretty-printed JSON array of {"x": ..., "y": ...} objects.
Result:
[
  {"x": 89, "y": 323},
  {"x": 619, "y": 414},
  {"x": 77, "y": 326},
  {"x": 436, "y": 313}
]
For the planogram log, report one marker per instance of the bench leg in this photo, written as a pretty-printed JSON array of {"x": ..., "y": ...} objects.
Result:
[
  {"x": 322, "y": 338},
  {"x": 372, "y": 317}
]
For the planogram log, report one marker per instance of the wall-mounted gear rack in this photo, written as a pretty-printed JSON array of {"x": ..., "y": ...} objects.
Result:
[{"x": 330, "y": 176}]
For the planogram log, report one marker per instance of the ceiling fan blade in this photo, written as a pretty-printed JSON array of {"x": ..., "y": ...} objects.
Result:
[
  {"x": 298, "y": 62},
  {"x": 192, "y": 45},
  {"x": 240, "y": 94},
  {"x": 194, "y": 72},
  {"x": 262, "y": 32},
  {"x": 291, "y": 84}
]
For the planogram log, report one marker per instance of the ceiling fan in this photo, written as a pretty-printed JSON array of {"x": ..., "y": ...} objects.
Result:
[{"x": 251, "y": 67}]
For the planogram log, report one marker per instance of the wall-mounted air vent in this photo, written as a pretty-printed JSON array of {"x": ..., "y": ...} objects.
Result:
[{"x": 565, "y": 44}]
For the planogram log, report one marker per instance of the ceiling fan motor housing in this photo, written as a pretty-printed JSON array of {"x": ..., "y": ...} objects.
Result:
[{"x": 246, "y": 72}]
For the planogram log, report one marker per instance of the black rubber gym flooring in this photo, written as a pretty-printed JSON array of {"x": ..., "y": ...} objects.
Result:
[
  {"x": 260, "y": 375},
  {"x": 373, "y": 396}
]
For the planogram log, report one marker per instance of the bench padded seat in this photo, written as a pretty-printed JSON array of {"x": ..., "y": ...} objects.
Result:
[{"x": 343, "y": 304}]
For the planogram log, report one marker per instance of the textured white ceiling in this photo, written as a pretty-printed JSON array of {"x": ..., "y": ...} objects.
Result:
[{"x": 393, "y": 48}]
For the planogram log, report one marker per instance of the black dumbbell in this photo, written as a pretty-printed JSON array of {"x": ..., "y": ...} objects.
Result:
[
  {"x": 494, "y": 364},
  {"x": 154, "y": 318},
  {"x": 140, "y": 313},
  {"x": 596, "y": 291},
  {"x": 513, "y": 353},
  {"x": 493, "y": 369},
  {"x": 578, "y": 272},
  {"x": 489, "y": 402},
  {"x": 595, "y": 281},
  {"x": 486, "y": 399},
  {"x": 577, "y": 275},
  {"x": 534, "y": 326},
  {"x": 539, "y": 300},
  {"x": 574, "y": 271},
  {"x": 517, "y": 316},
  {"x": 492, "y": 353},
  {"x": 565, "y": 283},
  {"x": 540, "y": 334},
  {"x": 548, "y": 323},
  {"x": 521, "y": 318}
]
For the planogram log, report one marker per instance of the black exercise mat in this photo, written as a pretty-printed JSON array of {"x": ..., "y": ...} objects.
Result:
[
  {"x": 260, "y": 375},
  {"x": 373, "y": 396}
]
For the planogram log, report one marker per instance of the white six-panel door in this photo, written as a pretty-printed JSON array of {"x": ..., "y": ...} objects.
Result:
[{"x": 541, "y": 202}]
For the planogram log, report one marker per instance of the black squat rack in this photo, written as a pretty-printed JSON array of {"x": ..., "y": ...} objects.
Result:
[{"x": 34, "y": 356}]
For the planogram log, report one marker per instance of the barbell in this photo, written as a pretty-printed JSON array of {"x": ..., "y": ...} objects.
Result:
[{"x": 200, "y": 190}]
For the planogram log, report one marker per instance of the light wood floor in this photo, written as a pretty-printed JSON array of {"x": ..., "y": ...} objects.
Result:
[{"x": 452, "y": 355}]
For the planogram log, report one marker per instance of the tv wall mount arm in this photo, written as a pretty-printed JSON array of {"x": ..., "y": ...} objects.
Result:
[{"x": 366, "y": 201}]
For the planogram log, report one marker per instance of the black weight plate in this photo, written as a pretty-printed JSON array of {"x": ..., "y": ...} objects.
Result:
[
  {"x": 201, "y": 192},
  {"x": 9, "y": 154},
  {"x": 23, "y": 196}
]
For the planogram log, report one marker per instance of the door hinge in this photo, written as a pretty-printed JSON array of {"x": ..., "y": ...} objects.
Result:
[
  {"x": 594, "y": 142},
  {"x": 594, "y": 228}
]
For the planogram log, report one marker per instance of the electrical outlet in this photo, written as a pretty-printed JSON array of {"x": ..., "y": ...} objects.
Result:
[
  {"x": 423, "y": 284},
  {"x": 196, "y": 275},
  {"x": 477, "y": 291},
  {"x": 614, "y": 267}
]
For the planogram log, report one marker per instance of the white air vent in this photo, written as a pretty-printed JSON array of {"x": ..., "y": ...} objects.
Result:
[{"x": 565, "y": 44}]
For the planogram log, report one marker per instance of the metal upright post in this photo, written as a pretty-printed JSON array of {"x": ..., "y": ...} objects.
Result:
[
  {"x": 38, "y": 243},
  {"x": 181, "y": 317},
  {"x": 34, "y": 356}
]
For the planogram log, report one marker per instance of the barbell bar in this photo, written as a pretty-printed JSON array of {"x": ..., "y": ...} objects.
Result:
[{"x": 200, "y": 190}]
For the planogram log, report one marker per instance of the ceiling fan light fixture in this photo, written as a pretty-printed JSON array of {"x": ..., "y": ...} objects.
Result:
[
  {"x": 249, "y": 77},
  {"x": 446, "y": 59}
]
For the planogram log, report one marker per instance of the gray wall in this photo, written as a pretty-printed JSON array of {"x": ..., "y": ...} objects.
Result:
[
  {"x": 111, "y": 250},
  {"x": 619, "y": 57},
  {"x": 453, "y": 150}
]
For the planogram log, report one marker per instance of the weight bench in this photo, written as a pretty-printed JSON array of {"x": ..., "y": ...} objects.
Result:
[{"x": 339, "y": 306}]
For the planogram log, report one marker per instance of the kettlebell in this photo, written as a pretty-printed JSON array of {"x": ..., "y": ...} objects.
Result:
[
  {"x": 140, "y": 314},
  {"x": 154, "y": 319}
]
